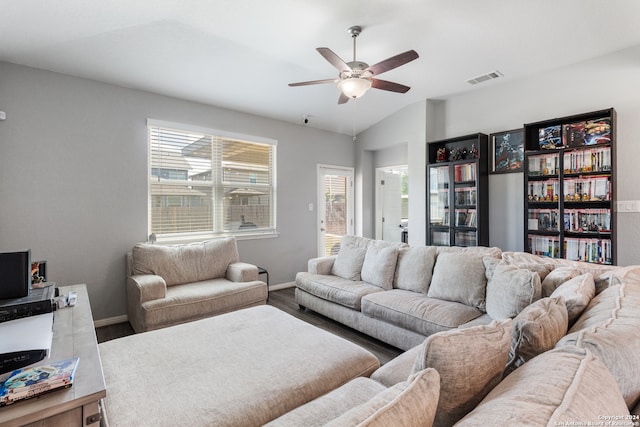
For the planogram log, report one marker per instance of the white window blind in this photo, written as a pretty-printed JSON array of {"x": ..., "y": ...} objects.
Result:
[{"x": 204, "y": 182}]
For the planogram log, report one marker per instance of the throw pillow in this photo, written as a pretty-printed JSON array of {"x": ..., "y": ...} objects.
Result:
[
  {"x": 559, "y": 387},
  {"x": 459, "y": 277},
  {"x": 556, "y": 278},
  {"x": 510, "y": 290},
  {"x": 577, "y": 294},
  {"x": 470, "y": 362},
  {"x": 379, "y": 266},
  {"x": 415, "y": 268},
  {"x": 348, "y": 263},
  {"x": 535, "y": 330},
  {"x": 409, "y": 403}
]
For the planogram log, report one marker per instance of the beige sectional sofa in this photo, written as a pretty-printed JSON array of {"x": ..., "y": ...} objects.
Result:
[
  {"x": 573, "y": 348},
  {"x": 168, "y": 285}
]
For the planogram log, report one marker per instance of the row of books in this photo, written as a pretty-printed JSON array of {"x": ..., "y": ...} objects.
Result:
[
  {"x": 465, "y": 217},
  {"x": 543, "y": 219},
  {"x": 465, "y": 172},
  {"x": 587, "y": 220},
  {"x": 544, "y": 245},
  {"x": 588, "y": 250},
  {"x": 543, "y": 191},
  {"x": 546, "y": 164},
  {"x": 589, "y": 132},
  {"x": 587, "y": 189},
  {"x": 465, "y": 238},
  {"x": 465, "y": 196},
  {"x": 591, "y": 160},
  {"x": 30, "y": 382}
]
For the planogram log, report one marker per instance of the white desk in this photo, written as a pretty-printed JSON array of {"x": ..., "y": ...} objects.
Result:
[{"x": 73, "y": 335}]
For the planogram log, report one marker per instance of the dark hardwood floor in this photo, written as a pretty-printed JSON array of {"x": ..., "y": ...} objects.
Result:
[{"x": 284, "y": 300}]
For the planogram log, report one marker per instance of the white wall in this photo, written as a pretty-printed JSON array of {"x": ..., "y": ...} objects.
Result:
[
  {"x": 73, "y": 174},
  {"x": 609, "y": 81}
]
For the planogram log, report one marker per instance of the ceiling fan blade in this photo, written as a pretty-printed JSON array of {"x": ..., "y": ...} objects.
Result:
[
  {"x": 393, "y": 62},
  {"x": 343, "y": 98},
  {"x": 390, "y": 86},
  {"x": 313, "y": 82},
  {"x": 334, "y": 59}
]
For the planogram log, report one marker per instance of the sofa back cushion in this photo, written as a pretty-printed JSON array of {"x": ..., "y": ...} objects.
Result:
[
  {"x": 470, "y": 362},
  {"x": 459, "y": 277},
  {"x": 577, "y": 294},
  {"x": 415, "y": 268},
  {"x": 608, "y": 328},
  {"x": 537, "y": 329},
  {"x": 411, "y": 403},
  {"x": 188, "y": 263},
  {"x": 509, "y": 289},
  {"x": 379, "y": 265},
  {"x": 559, "y": 387},
  {"x": 348, "y": 263}
]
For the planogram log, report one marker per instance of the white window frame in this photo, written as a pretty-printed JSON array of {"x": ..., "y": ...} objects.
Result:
[{"x": 198, "y": 236}]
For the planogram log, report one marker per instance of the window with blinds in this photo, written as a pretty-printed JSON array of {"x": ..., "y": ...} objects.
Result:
[{"x": 204, "y": 182}]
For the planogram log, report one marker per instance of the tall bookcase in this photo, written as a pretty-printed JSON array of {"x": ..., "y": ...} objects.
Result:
[
  {"x": 458, "y": 191},
  {"x": 569, "y": 187}
]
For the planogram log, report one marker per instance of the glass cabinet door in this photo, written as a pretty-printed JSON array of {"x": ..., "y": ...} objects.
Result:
[{"x": 439, "y": 196}]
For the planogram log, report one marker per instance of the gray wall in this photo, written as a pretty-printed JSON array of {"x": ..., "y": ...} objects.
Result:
[
  {"x": 604, "y": 82},
  {"x": 73, "y": 178}
]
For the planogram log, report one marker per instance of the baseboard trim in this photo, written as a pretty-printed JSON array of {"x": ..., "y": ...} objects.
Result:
[
  {"x": 281, "y": 286},
  {"x": 121, "y": 319},
  {"x": 110, "y": 321}
]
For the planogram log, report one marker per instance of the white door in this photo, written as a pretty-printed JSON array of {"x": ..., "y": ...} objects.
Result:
[
  {"x": 335, "y": 207},
  {"x": 391, "y": 203}
]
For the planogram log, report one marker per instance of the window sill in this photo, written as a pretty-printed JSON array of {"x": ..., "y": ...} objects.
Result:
[{"x": 201, "y": 237}]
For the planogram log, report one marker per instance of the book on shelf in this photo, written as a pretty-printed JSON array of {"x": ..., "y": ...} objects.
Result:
[
  {"x": 544, "y": 164},
  {"x": 587, "y": 189},
  {"x": 587, "y": 220},
  {"x": 550, "y": 137},
  {"x": 465, "y": 172},
  {"x": 588, "y": 160},
  {"x": 30, "y": 382},
  {"x": 543, "y": 219},
  {"x": 543, "y": 191},
  {"x": 588, "y": 250}
]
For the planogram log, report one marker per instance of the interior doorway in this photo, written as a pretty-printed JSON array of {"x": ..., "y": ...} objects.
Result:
[
  {"x": 335, "y": 207},
  {"x": 392, "y": 203}
]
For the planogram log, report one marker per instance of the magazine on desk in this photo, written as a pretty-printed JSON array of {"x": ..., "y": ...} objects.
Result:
[{"x": 34, "y": 381}]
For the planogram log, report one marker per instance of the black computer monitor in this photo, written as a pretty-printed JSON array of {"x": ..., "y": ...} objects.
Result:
[{"x": 15, "y": 274}]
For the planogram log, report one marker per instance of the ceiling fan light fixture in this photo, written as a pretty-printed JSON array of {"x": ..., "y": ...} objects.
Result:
[{"x": 354, "y": 87}]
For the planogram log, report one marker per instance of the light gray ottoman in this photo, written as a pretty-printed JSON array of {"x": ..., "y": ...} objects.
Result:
[{"x": 244, "y": 368}]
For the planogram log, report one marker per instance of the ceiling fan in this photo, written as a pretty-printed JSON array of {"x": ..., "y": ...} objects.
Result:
[{"x": 356, "y": 77}]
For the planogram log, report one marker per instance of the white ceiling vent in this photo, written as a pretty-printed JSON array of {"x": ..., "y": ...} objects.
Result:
[{"x": 485, "y": 77}]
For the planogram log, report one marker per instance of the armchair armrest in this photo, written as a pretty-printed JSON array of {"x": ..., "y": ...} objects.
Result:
[
  {"x": 321, "y": 265},
  {"x": 146, "y": 287},
  {"x": 242, "y": 272}
]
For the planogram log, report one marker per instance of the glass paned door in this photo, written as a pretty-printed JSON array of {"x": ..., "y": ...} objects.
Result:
[{"x": 335, "y": 207}]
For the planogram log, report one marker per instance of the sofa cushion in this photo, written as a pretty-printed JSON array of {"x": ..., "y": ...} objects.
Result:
[
  {"x": 188, "y": 263},
  {"x": 411, "y": 403},
  {"x": 459, "y": 277},
  {"x": 577, "y": 294},
  {"x": 416, "y": 312},
  {"x": 379, "y": 265},
  {"x": 325, "y": 408},
  {"x": 341, "y": 291},
  {"x": 348, "y": 263},
  {"x": 556, "y": 278},
  {"x": 494, "y": 252},
  {"x": 608, "y": 328},
  {"x": 510, "y": 289},
  {"x": 536, "y": 329},
  {"x": 470, "y": 362},
  {"x": 557, "y": 387},
  {"x": 415, "y": 268},
  {"x": 199, "y": 300}
]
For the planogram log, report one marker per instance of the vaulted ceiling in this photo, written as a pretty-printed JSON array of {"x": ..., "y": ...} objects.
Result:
[{"x": 241, "y": 54}]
